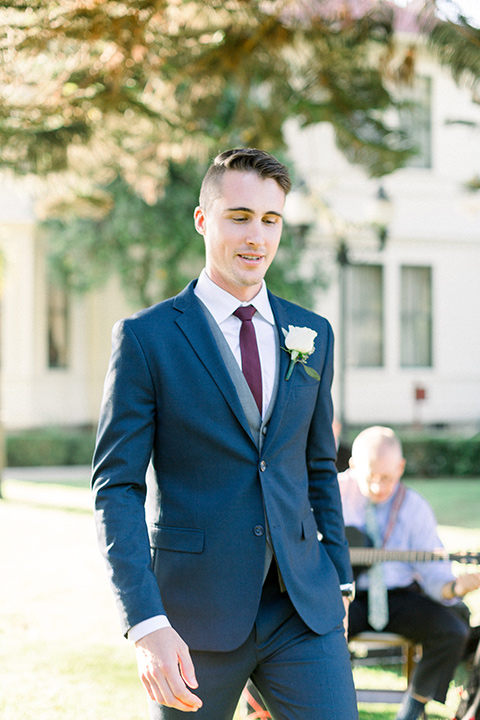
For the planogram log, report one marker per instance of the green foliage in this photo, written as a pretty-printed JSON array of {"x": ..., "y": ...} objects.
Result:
[
  {"x": 133, "y": 98},
  {"x": 286, "y": 276},
  {"x": 154, "y": 249},
  {"x": 442, "y": 457},
  {"x": 121, "y": 87},
  {"x": 431, "y": 455},
  {"x": 109, "y": 88},
  {"x": 49, "y": 447},
  {"x": 426, "y": 457},
  {"x": 458, "y": 47}
]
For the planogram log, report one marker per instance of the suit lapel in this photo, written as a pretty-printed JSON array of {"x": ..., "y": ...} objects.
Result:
[
  {"x": 193, "y": 323},
  {"x": 284, "y": 388}
]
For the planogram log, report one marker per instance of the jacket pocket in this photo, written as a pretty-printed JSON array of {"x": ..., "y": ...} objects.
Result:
[
  {"x": 176, "y": 539},
  {"x": 309, "y": 526}
]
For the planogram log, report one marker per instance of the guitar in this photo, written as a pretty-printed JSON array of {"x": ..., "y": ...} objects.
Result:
[{"x": 363, "y": 554}]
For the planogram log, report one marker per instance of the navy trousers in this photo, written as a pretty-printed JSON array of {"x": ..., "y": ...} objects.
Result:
[
  {"x": 300, "y": 675},
  {"x": 441, "y": 631}
]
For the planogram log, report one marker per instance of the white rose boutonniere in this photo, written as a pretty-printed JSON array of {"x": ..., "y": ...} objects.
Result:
[{"x": 300, "y": 343}]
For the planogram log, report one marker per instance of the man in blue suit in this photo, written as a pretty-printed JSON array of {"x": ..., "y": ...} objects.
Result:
[{"x": 216, "y": 495}]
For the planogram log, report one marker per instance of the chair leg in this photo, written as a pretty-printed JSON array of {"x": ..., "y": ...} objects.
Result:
[{"x": 409, "y": 661}]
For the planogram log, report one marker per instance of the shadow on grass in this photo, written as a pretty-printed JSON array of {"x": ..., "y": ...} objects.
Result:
[
  {"x": 56, "y": 584},
  {"x": 71, "y": 497},
  {"x": 54, "y": 682}
]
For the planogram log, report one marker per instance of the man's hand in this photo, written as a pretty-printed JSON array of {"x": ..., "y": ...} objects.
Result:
[
  {"x": 466, "y": 583},
  {"x": 166, "y": 669}
]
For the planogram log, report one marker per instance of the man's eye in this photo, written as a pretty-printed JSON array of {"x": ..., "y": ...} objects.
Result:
[{"x": 239, "y": 218}]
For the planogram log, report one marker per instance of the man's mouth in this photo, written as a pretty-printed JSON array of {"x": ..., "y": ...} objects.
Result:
[{"x": 251, "y": 258}]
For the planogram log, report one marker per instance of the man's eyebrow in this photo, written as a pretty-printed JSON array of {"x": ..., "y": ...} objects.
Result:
[{"x": 249, "y": 210}]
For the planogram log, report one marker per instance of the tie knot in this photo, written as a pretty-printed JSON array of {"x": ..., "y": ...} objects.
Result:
[{"x": 245, "y": 312}]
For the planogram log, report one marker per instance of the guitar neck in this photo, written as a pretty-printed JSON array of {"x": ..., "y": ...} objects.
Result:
[
  {"x": 363, "y": 554},
  {"x": 371, "y": 555}
]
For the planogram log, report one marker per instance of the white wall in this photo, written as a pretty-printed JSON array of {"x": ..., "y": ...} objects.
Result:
[{"x": 32, "y": 394}]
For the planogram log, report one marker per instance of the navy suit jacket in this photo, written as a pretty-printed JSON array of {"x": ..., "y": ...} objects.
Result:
[{"x": 193, "y": 545}]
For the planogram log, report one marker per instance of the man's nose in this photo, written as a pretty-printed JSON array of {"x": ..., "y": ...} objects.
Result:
[{"x": 255, "y": 234}]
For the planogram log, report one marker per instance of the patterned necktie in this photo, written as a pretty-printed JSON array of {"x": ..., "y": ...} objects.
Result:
[
  {"x": 377, "y": 590},
  {"x": 249, "y": 350}
]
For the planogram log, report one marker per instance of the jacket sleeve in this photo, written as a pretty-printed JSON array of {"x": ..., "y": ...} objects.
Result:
[
  {"x": 324, "y": 491},
  {"x": 123, "y": 449}
]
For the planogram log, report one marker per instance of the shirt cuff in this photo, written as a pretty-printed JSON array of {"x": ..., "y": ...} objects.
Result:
[{"x": 138, "y": 631}]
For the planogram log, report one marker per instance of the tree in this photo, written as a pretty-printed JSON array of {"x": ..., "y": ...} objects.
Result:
[
  {"x": 125, "y": 94},
  {"x": 457, "y": 45},
  {"x": 97, "y": 90},
  {"x": 117, "y": 88},
  {"x": 154, "y": 249}
]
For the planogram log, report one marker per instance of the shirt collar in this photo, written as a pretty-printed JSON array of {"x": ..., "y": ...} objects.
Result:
[
  {"x": 385, "y": 506},
  {"x": 222, "y": 304}
]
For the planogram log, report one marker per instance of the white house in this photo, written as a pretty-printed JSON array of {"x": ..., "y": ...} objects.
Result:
[
  {"x": 409, "y": 320},
  {"x": 406, "y": 323},
  {"x": 54, "y": 348}
]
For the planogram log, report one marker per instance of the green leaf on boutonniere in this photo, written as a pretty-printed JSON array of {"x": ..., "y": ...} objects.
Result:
[{"x": 313, "y": 373}]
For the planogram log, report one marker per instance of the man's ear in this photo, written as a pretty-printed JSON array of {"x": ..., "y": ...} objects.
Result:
[{"x": 200, "y": 220}]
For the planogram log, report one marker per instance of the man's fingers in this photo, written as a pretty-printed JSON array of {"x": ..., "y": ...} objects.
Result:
[
  {"x": 187, "y": 668},
  {"x": 165, "y": 666},
  {"x": 466, "y": 583},
  {"x": 179, "y": 691},
  {"x": 179, "y": 697},
  {"x": 148, "y": 688}
]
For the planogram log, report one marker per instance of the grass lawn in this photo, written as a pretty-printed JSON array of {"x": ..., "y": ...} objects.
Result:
[
  {"x": 456, "y": 501},
  {"x": 61, "y": 653}
]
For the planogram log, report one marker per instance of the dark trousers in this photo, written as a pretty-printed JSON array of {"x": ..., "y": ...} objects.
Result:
[
  {"x": 441, "y": 631},
  {"x": 300, "y": 675}
]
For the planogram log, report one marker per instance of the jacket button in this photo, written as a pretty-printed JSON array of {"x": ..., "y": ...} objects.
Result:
[
  {"x": 264, "y": 430},
  {"x": 263, "y": 466},
  {"x": 259, "y": 530}
]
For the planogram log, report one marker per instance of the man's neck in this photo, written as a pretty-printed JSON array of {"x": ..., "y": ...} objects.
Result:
[{"x": 242, "y": 293}]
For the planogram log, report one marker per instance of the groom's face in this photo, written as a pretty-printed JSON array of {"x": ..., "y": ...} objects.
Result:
[{"x": 242, "y": 229}]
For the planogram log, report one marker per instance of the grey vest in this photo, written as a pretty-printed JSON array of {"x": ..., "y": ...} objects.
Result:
[{"x": 257, "y": 425}]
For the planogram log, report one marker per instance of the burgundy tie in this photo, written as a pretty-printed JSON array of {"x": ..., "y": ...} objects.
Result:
[{"x": 249, "y": 350}]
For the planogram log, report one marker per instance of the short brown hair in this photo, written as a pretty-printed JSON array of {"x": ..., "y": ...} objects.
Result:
[{"x": 247, "y": 160}]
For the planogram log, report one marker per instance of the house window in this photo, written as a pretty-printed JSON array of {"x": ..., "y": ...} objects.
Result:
[
  {"x": 416, "y": 120},
  {"x": 365, "y": 316},
  {"x": 416, "y": 319},
  {"x": 58, "y": 327}
]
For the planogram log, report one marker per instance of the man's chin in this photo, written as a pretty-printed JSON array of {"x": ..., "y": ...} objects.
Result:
[{"x": 250, "y": 279}]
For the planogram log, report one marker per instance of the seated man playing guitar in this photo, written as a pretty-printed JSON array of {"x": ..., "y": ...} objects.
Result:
[{"x": 411, "y": 594}]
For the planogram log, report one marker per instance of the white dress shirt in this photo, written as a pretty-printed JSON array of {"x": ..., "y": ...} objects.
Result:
[
  {"x": 414, "y": 528},
  {"x": 222, "y": 305}
]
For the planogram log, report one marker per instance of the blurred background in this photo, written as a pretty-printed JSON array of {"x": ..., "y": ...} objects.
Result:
[{"x": 110, "y": 113}]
